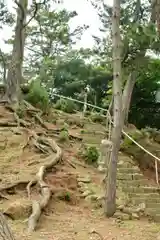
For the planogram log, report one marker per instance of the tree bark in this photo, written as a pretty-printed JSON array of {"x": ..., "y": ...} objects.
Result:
[
  {"x": 5, "y": 232},
  {"x": 110, "y": 196},
  {"x": 14, "y": 76},
  {"x": 127, "y": 95}
]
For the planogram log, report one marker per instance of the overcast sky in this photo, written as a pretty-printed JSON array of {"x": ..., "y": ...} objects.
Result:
[{"x": 86, "y": 15}]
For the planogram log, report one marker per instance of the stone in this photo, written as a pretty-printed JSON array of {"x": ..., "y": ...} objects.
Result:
[
  {"x": 81, "y": 184},
  {"x": 86, "y": 179},
  {"x": 135, "y": 216},
  {"x": 101, "y": 169},
  {"x": 120, "y": 207},
  {"x": 91, "y": 198},
  {"x": 86, "y": 193},
  {"x": 122, "y": 216},
  {"x": 19, "y": 209}
]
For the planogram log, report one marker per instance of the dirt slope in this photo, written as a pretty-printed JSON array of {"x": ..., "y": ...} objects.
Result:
[{"x": 68, "y": 215}]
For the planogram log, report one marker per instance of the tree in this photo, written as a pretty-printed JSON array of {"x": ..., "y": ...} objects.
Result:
[
  {"x": 145, "y": 110},
  {"x": 137, "y": 23},
  {"x": 5, "y": 232},
  {"x": 14, "y": 76},
  {"x": 49, "y": 42},
  {"x": 110, "y": 198}
]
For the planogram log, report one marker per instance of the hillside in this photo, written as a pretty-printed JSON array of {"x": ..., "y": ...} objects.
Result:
[{"x": 27, "y": 141}]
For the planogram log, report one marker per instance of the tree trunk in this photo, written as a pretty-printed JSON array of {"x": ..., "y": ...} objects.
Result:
[
  {"x": 14, "y": 76},
  {"x": 127, "y": 95},
  {"x": 5, "y": 232},
  {"x": 110, "y": 196}
]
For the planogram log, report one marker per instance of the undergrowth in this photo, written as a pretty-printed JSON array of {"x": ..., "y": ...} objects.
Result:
[
  {"x": 38, "y": 96},
  {"x": 89, "y": 154},
  {"x": 67, "y": 106}
]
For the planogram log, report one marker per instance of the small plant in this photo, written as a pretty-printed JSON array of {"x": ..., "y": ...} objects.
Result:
[
  {"x": 90, "y": 154},
  {"x": 67, "y": 106},
  {"x": 65, "y": 127},
  {"x": 38, "y": 96},
  {"x": 65, "y": 196},
  {"x": 63, "y": 136},
  {"x": 20, "y": 111}
]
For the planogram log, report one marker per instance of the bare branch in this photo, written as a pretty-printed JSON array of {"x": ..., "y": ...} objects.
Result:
[{"x": 36, "y": 7}]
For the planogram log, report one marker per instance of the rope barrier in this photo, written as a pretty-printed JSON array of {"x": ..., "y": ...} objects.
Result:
[{"x": 108, "y": 114}]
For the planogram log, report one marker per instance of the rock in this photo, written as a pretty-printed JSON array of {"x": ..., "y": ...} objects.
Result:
[
  {"x": 81, "y": 184},
  {"x": 120, "y": 207},
  {"x": 100, "y": 197},
  {"x": 135, "y": 216},
  {"x": 122, "y": 216},
  {"x": 91, "y": 198},
  {"x": 84, "y": 179},
  {"x": 86, "y": 193},
  {"x": 101, "y": 168},
  {"x": 19, "y": 209}
]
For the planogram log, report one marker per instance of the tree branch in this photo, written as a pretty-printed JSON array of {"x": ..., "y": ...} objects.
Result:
[{"x": 36, "y": 7}]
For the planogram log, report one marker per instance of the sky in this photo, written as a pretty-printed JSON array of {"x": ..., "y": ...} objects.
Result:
[{"x": 86, "y": 15}]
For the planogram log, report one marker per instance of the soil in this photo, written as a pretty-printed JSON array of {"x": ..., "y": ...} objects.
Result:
[{"x": 62, "y": 219}]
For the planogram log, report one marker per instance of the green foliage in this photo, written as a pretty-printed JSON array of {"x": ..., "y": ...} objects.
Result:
[
  {"x": 21, "y": 111},
  {"x": 90, "y": 154},
  {"x": 67, "y": 106},
  {"x": 145, "y": 111},
  {"x": 136, "y": 135},
  {"x": 38, "y": 96},
  {"x": 63, "y": 136},
  {"x": 65, "y": 196}
]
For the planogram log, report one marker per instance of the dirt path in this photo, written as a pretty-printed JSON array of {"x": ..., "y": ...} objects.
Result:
[{"x": 65, "y": 222}]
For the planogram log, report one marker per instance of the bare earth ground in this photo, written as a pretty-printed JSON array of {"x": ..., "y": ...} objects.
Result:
[{"x": 61, "y": 220}]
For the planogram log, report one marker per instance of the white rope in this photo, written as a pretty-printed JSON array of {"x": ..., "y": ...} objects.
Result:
[{"x": 103, "y": 109}]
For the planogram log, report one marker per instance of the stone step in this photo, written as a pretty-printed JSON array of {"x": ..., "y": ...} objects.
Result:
[
  {"x": 134, "y": 176},
  {"x": 140, "y": 182},
  {"x": 137, "y": 176},
  {"x": 156, "y": 218},
  {"x": 122, "y": 164},
  {"x": 141, "y": 189},
  {"x": 129, "y": 170},
  {"x": 153, "y": 205},
  {"x": 153, "y": 213},
  {"x": 148, "y": 196},
  {"x": 138, "y": 200}
]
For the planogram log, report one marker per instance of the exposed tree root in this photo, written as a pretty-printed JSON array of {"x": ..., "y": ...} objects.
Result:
[
  {"x": 45, "y": 145},
  {"x": 46, "y": 192}
]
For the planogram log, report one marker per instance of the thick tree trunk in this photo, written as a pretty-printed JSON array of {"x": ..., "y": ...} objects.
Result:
[
  {"x": 14, "y": 76},
  {"x": 5, "y": 232},
  {"x": 127, "y": 95},
  {"x": 110, "y": 197}
]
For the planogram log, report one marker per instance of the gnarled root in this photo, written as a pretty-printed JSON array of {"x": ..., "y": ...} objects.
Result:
[{"x": 38, "y": 206}]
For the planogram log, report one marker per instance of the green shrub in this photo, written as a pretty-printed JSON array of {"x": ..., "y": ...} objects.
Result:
[
  {"x": 136, "y": 135},
  {"x": 20, "y": 111},
  {"x": 38, "y": 96},
  {"x": 64, "y": 196},
  {"x": 67, "y": 106},
  {"x": 63, "y": 136},
  {"x": 90, "y": 154}
]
